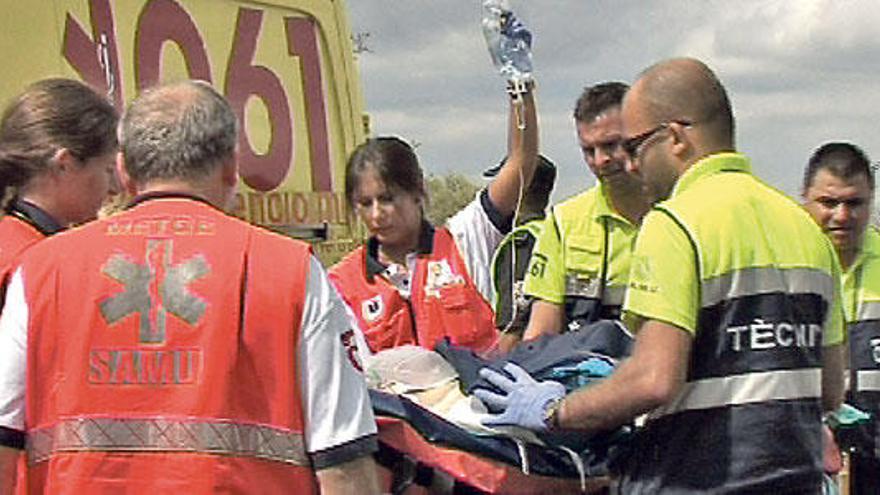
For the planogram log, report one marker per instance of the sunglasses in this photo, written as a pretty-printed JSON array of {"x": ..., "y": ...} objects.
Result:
[{"x": 631, "y": 145}]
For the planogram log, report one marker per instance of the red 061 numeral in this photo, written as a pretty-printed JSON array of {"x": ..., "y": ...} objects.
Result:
[{"x": 166, "y": 20}]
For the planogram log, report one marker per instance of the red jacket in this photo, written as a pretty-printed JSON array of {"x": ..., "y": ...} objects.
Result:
[
  {"x": 162, "y": 356},
  {"x": 444, "y": 301}
]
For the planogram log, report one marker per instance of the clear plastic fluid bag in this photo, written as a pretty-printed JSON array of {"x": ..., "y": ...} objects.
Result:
[{"x": 509, "y": 42}]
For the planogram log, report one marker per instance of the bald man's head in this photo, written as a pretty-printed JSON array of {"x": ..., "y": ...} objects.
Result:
[
  {"x": 685, "y": 89},
  {"x": 180, "y": 131}
]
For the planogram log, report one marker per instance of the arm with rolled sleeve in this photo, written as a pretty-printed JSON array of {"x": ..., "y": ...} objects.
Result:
[
  {"x": 482, "y": 224},
  {"x": 522, "y": 158},
  {"x": 13, "y": 355},
  {"x": 340, "y": 429},
  {"x": 833, "y": 353},
  {"x": 8, "y": 461}
]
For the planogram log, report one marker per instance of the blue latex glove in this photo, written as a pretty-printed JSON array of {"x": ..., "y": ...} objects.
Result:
[
  {"x": 583, "y": 374},
  {"x": 847, "y": 416},
  {"x": 524, "y": 402}
]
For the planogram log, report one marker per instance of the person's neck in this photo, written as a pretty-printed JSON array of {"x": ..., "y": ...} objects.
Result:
[
  {"x": 213, "y": 195},
  {"x": 394, "y": 254},
  {"x": 847, "y": 258},
  {"x": 48, "y": 205},
  {"x": 397, "y": 253},
  {"x": 629, "y": 201}
]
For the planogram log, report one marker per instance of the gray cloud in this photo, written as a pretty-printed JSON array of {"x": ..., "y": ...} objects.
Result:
[{"x": 799, "y": 73}]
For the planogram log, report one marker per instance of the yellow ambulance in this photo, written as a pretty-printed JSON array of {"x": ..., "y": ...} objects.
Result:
[{"x": 286, "y": 66}]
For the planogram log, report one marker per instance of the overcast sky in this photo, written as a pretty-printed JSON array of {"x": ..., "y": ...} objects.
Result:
[{"x": 799, "y": 73}]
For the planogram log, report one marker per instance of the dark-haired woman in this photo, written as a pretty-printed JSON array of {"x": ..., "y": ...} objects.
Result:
[
  {"x": 413, "y": 283},
  {"x": 57, "y": 161}
]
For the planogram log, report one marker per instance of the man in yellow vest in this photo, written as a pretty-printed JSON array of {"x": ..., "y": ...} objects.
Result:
[
  {"x": 734, "y": 299},
  {"x": 839, "y": 193},
  {"x": 580, "y": 264}
]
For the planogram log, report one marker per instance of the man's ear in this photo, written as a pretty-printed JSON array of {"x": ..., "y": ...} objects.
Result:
[
  {"x": 125, "y": 180},
  {"x": 682, "y": 145},
  {"x": 228, "y": 180},
  {"x": 229, "y": 172}
]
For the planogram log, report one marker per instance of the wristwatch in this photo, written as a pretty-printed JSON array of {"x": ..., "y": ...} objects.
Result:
[{"x": 551, "y": 413}]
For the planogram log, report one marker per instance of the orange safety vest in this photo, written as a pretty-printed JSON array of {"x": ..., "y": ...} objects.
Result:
[
  {"x": 16, "y": 235},
  {"x": 444, "y": 301},
  {"x": 162, "y": 355}
]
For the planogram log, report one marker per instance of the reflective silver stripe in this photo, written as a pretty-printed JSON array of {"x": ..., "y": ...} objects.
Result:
[
  {"x": 869, "y": 311},
  {"x": 614, "y": 296},
  {"x": 744, "y": 389},
  {"x": 762, "y": 280},
  {"x": 589, "y": 288},
  {"x": 166, "y": 435},
  {"x": 868, "y": 380},
  {"x": 582, "y": 287}
]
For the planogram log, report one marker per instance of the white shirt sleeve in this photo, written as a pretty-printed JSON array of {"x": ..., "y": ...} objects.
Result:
[
  {"x": 339, "y": 422},
  {"x": 476, "y": 238},
  {"x": 13, "y": 355}
]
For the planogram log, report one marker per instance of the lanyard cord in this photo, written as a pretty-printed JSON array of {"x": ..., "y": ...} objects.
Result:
[
  {"x": 603, "y": 273},
  {"x": 511, "y": 245},
  {"x": 857, "y": 303}
]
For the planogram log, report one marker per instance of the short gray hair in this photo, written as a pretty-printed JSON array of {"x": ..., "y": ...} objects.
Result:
[{"x": 178, "y": 131}]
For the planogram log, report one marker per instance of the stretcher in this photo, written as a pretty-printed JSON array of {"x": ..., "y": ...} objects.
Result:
[
  {"x": 424, "y": 452},
  {"x": 412, "y": 465}
]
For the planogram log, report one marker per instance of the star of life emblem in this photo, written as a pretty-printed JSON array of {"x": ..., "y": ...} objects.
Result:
[{"x": 154, "y": 289}]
